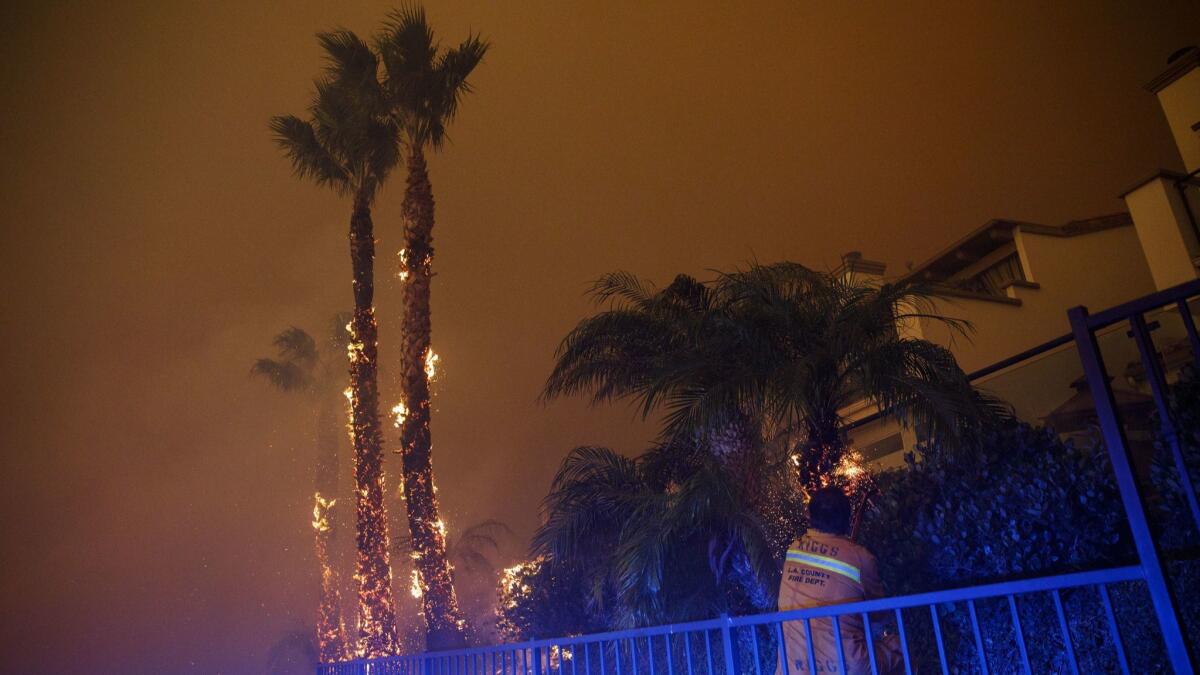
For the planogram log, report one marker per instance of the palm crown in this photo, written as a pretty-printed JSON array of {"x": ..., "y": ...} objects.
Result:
[
  {"x": 300, "y": 366},
  {"x": 350, "y": 141},
  {"x": 422, "y": 86},
  {"x": 778, "y": 347}
]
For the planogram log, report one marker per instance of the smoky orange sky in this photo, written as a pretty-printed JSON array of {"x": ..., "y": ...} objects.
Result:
[{"x": 155, "y": 497}]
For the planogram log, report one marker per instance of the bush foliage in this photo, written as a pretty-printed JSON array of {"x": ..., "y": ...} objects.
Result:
[{"x": 1019, "y": 502}]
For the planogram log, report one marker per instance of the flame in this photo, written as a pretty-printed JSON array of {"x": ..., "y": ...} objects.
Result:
[
  {"x": 431, "y": 359},
  {"x": 512, "y": 582},
  {"x": 403, "y": 275},
  {"x": 401, "y": 412},
  {"x": 415, "y": 587},
  {"x": 321, "y": 507},
  {"x": 441, "y": 527},
  {"x": 850, "y": 466}
]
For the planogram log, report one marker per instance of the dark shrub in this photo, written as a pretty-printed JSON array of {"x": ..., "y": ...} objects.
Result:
[{"x": 1016, "y": 503}]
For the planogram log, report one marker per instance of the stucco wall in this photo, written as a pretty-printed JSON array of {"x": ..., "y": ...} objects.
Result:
[
  {"x": 1181, "y": 104},
  {"x": 1164, "y": 232},
  {"x": 1099, "y": 270}
]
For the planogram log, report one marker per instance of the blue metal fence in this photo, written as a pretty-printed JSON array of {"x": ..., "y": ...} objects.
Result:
[
  {"x": 1151, "y": 558},
  {"x": 974, "y": 629},
  {"x": 978, "y": 629}
]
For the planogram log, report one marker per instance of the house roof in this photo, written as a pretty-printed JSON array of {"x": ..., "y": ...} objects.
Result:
[
  {"x": 996, "y": 233},
  {"x": 1180, "y": 64}
]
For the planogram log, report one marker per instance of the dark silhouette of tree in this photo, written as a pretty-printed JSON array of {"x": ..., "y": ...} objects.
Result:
[
  {"x": 301, "y": 367},
  {"x": 750, "y": 372},
  {"x": 668, "y": 536},
  {"x": 766, "y": 354},
  {"x": 423, "y": 86},
  {"x": 294, "y": 653},
  {"x": 350, "y": 144}
]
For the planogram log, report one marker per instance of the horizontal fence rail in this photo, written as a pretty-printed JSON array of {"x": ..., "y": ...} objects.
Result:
[{"x": 975, "y": 629}]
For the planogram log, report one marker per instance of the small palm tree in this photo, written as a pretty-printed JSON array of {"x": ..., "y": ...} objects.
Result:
[
  {"x": 350, "y": 144},
  {"x": 668, "y": 536},
  {"x": 303, "y": 368},
  {"x": 762, "y": 354},
  {"x": 423, "y": 87}
]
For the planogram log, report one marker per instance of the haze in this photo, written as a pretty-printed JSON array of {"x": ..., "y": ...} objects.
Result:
[{"x": 155, "y": 496}]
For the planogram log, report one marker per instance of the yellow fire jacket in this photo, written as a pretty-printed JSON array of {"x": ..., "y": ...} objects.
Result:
[{"x": 826, "y": 569}]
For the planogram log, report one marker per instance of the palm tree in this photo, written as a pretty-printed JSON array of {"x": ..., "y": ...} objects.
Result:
[
  {"x": 668, "y": 536},
  {"x": 350, "y": 145},
  {"x": 762, "y": 355},
  {"x": 423, "y": 87},
  {"x": 303, "y": 368}
]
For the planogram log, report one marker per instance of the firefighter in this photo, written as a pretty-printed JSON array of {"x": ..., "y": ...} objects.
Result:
[{"x": 824, "y": 567}]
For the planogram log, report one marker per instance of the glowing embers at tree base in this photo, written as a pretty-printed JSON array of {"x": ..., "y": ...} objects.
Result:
[{"x": 331, "y": 630}]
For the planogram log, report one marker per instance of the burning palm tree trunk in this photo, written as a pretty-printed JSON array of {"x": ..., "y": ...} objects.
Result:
[
  {"x": 373, "y": 574},
  {"x": 331, "y": 627},
  {"x": 445, "y": 624}
]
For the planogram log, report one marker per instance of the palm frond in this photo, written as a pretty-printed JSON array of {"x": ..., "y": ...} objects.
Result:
[
  {"x": 296, "y": 345},
  {"x": 310, "y": 159},
  {"x": 349, "y": 60},
  {"x": 283, "y": 375}
]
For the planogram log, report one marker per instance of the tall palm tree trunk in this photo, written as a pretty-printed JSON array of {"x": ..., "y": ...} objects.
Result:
[
  {"x": 445, "y": 624},
  {"x": 373, "y": 574},
  {"x": 331, "y": 627}
]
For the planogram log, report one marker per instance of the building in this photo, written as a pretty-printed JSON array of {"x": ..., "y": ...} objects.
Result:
[{"x": 1014, "y": 282}]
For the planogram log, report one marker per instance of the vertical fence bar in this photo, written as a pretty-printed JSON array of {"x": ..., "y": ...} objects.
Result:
[
  {"x": 1066, "y": 631},
  {"x": 727, "y": 644},
  {"x": 870, "y": 644},
  {"x": 708, "y": 651},
  {"x": 670, "y": 659},
  {"x": 983, "y": 664},
  {"x": 836, "y": 621},
  {"x": 601, "y": 650},
  {"x": 903, "y": 642},
  {"x": 937, "y": 636},
  {"x": 812, "y": 654},
  {"x": 1113, "y": 628},
  {"x": 1158, "y": 387},
  {"x": 1189, "y": 324},
  {"x": 757, "y": 659},
  {"x": 783, "y": 655},
  {"x": 687, "y": 651},
  {"x": 1161, "y": 596},
  {"x": 1019, "y": 634}
]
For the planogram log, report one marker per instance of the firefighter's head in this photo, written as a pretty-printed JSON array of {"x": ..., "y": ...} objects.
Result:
[{"x": 829, "y": 511}]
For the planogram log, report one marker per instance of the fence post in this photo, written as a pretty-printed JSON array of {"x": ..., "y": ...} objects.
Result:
[
  {"x": 537, "y": 660},
  {"x": 1165, "y": 607},
  {"x": 727, "y": 643}
]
